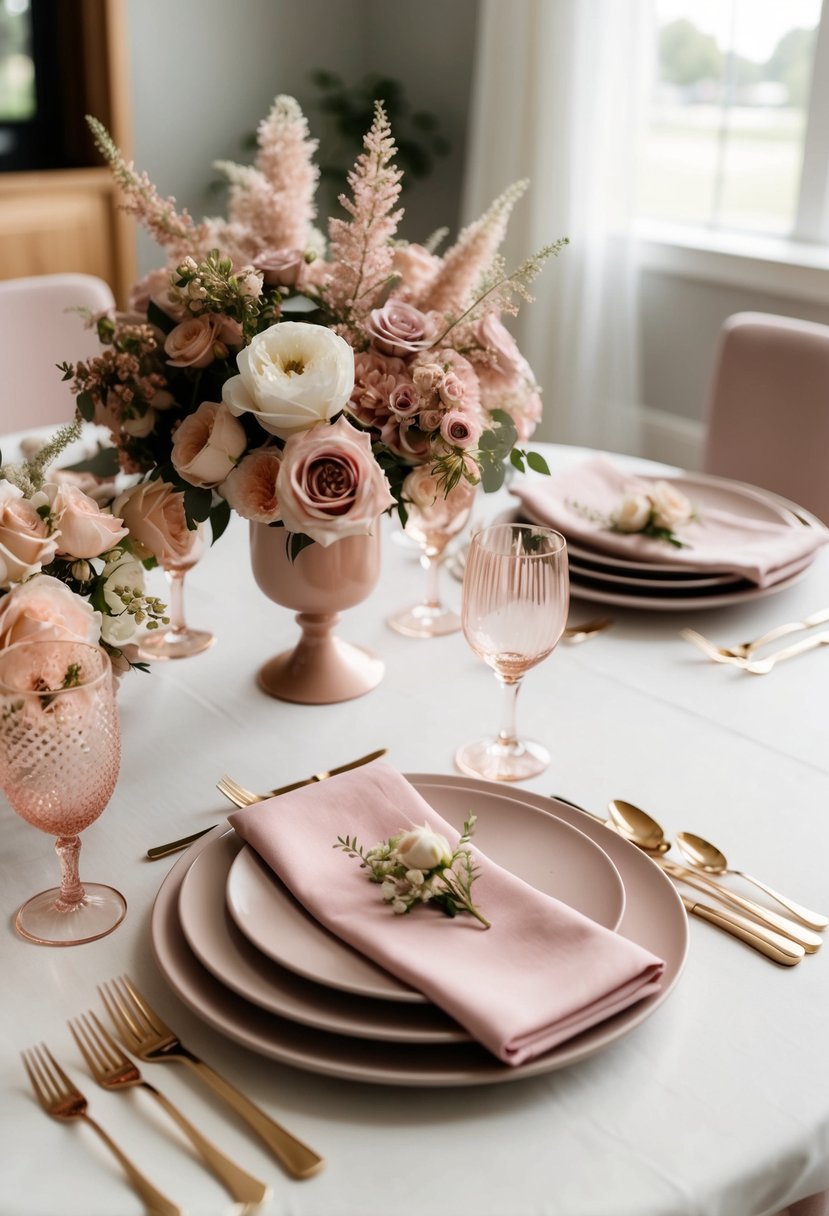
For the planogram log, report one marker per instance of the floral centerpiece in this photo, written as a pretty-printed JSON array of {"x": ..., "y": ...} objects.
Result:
[{"x": 304, "y": 384}]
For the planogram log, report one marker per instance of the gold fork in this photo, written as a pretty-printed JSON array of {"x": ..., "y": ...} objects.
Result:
[
  {"x": 143, "y": 1032},
  {"x": 112, "y": 1069},
  {"x": 61, "y": 1099},
  {"x": 237, "y": 793},
  {"x": 744, "y": 650}
]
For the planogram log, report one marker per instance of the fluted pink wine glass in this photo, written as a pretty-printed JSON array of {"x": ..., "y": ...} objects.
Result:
[
  {"x": 177, "y": 640},
  {"x": 60, "y": 752},
  {"x": 516, "y": 594},
  {"x": 432, "y": 527}
]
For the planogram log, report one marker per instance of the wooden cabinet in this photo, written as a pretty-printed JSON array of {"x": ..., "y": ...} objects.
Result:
[{"x": 56, "y": 220}]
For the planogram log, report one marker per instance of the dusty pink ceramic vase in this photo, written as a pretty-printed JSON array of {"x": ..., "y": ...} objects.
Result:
[{"x": 318, "y": 585}]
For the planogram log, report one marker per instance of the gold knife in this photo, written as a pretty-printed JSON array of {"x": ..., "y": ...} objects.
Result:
[
  {"x": 174, "y": 846},
  {"x": 776, "y": 947}
]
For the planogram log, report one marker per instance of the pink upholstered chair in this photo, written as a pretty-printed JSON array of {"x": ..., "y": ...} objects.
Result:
[
  {"x": 36, "y": 333},
  {"x": 768, "y": 407}
]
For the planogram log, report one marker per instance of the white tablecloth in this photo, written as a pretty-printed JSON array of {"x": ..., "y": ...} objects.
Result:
[{"x": 718, "y": 1105}]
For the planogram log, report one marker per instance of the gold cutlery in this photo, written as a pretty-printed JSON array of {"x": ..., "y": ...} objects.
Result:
[
  {"x": 638, "y": 827},
  {"x": 743, "y": 650},
  {"x": 707, "y": 857},
  {"x": 588, "y": 629},
  {"x": 807, "y": 938},
  {"x": 761, "y": 667},
  {"x": 61, "y": 1099},
  {"x": 772, "y": 945},
  {"x": 143, "y": 1032},
  {"x": 113, "y": 1069},
  {"x": 174, "y": 846}
]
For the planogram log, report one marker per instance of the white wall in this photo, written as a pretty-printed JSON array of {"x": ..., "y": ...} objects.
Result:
[{"x": 203, "y": 72}]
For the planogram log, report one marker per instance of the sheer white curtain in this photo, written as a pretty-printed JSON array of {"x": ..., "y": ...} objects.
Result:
[{"x": 557, "y": 98}]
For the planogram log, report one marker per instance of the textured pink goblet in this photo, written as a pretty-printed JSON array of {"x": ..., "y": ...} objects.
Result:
[
  {"x": 516, "y": 594},
  {"x": 60, "y": 752}
]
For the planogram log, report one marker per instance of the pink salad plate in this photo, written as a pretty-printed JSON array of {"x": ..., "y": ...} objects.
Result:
[{"x": 653, "y": 916}]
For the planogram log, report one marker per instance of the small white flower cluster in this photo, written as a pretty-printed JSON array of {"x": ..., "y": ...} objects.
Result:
[
  {"x": 419, "y": 866},
  {"x": 656, "y": 511}
]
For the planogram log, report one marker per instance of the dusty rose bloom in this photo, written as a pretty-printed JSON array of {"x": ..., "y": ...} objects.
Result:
[
  {"x": 282, "y": 267},
  {"x": 45, "y": 609},
  {"x": 405, "y": 438},
  {"x": 154, "y": 513},
  {"x": 503, "y": 350},
  {"x": 399, "y": 328},
  {"x": 461, "y": 429},
  {"x": 191, "y": 343},
  {"x": 85, "y": 530},
  {"x": 250, "y": 488},
  {"x": 25, "y": 543},
  {"x": 430, "y": 507},
  {"x": 330, "y": 485},
  {"x": 452, "y": 390},
  {"x": 404, "y": 400},
  {"x": 427, "y": 376},
  {"x": 375, "y": 379},
  {"x": 155, "y": 287},
  {"x": 207, "y": 444}
]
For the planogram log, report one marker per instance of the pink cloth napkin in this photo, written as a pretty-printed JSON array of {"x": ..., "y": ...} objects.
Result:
[
  {"x": 542, "y": 974},
  {"x": 757, "y": 549}
]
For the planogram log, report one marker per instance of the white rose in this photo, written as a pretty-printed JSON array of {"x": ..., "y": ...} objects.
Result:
[
  {"x": 670, "y": 507},
  {"x": 422, "y": 849},
  {"x": 207, "y": 445},
  {"x": 633, "y": 513},
  {"x": 291, "y": 377}
]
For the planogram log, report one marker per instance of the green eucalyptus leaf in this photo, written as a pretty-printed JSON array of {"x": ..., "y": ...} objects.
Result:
[
  {"x": 297, "y": 541},
  {"x": 103, "y": 464},
  {"x": 537, "y": 462},
  {"x": 197, "y": 502},
  {"x": 219, "y": 518},
  {"x": 516, "y": 457},
  {"x": 86, "y": 406}
]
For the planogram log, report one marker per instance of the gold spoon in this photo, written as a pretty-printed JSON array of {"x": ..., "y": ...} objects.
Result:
[
  {"x": 637, "y": 826},
  {"x": 707, "y": 857},
  {"x": 580, "y": 633}
]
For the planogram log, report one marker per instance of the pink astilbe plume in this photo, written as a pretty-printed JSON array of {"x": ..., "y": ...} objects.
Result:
[
  {"x": 173, "y": 230},
  {"x": 360, "y": 249},
  {"x": 272, "y": 201},
  {"x": 471, "y": 257}
]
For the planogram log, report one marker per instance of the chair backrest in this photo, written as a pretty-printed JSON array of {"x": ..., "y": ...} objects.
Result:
[
  {"x": 768, "y": 407},
  {"x": 36, "y": 333}
]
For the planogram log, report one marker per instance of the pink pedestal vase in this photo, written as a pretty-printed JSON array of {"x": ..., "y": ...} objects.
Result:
[{"x": 318, "y": 584}]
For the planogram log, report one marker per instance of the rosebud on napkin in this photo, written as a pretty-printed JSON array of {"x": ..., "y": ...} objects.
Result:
[
  {"x": 751, "y": 545},
  {"x": 542, "y": 974}
]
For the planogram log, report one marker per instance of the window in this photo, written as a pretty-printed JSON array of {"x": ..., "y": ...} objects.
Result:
[{"x": 737, "y": 138}]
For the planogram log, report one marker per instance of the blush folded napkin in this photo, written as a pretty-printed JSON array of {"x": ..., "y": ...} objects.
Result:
[
  {"x": 757, "y": 549},
  {"x": 542, "y": 974}
]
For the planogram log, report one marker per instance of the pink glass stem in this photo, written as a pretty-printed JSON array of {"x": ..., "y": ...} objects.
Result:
[
  {"x": 71, "y": 892},
  {"x": 507, "y": 736},
  {"x": 177, "y": 621},
  {"x": 429, "y": 562}
]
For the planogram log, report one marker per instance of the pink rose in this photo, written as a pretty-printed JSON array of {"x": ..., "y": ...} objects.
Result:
[
  {"x": 399, "y": 328},
  {"x": 207, "y": 444},
  {"x": 250, "y": 488},
  {"x": 45, "y": 609},
  {"x": 192, "y": 343},
  {"x": 375, "y": 379},
  {"x": 102, "y": 490},
  {"x": 25, "y": 543},
  {"x": 460, "y": 369},
  {"x": 155, "y": 286},
  {"x": 154, "y": 513},
  {"x": 404, "y": 400},
  {"x": 430, "y": 420},
  {"x": 417, "y": 268},
  {"x": 452, "y": 391},
  {"x": 495, "y": 338},
  {"x": 139, "y": 425},
  {"x": 460, "y": 429},
  {"x": 330, "y": 485},
  {"x": 85, "y": 530},
  {"x": 282, "y": 267},
  {"x": 405, "y": 438}
]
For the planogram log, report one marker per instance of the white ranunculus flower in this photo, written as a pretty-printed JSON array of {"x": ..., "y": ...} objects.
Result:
[
  {"x": 119, "y": 626},
  {"x": 422, "y": 849},
  {"x": 670, "y": 506},
  {"x": 633, "y": 513},
  {"x": 292, "y": 376}
]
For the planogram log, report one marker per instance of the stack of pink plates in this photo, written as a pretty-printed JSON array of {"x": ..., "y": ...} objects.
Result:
[
  {"x": 247, "y": 959},
  {"x": 612, "y": 578}
]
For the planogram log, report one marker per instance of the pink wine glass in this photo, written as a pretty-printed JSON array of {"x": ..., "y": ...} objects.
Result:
[
  {"x": 516, "y": 594},
  {"x": 177, "y": 640},
  {"x": 60, "y": 752},
  {"x": 432, "y": 528}
]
